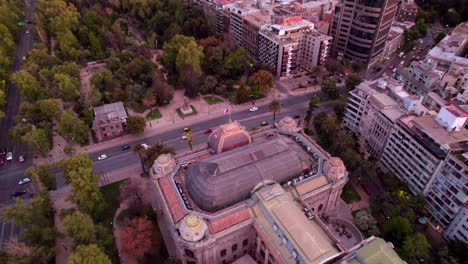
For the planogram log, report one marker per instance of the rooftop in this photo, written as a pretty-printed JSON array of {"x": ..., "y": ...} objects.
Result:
[
  {"x": 376, "y": 251},
  {"x": 108, "y": 113}
]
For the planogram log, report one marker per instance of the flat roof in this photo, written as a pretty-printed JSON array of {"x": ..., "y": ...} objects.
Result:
[
  {"x": 308, "y": 238},
  {"x": 384, "y": 100},
  {"x": 376, "y": 252},
  {"x": 393, "y": 113},
  {"x": 428, "y": 125}
]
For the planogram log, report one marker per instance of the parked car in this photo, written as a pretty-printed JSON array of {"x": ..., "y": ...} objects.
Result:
[
  {"x": 24, "y": 181},
  {"x": 253, "y": 109},
  {"x": 208, "y": 131},
  {"x": 297, "y": 116},
  {"x": 145, "y": 146},
  {"x": 186, "y": 129},
  {"x": 21, "y": 158},
  {"x": 264, "y": 123},
  {"x": 124, "y": 147},
  {"x": 9, "y": 156},
  {"x": 102, "y": 157},
  {"x": 184, "y": 137},
  {"x": 18, "y": 193}
]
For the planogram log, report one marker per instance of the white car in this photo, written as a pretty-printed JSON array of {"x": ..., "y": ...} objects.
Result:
[
  {"x": 21, "y": 158},
  {"x": 145, "y": 146},
  {"x": 24, "y": 181},
  {"x": 102, "y": 157},
  {"x": 253, "y": 109},
  {"x": 27, "y": 31},
  {"x": 9, "y": 156},
  {"x": 184, "y": 137}
]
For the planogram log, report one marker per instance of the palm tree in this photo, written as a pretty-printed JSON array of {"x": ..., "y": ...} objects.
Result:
[
  {"x": 275, "y": 107},
  {"x": 316, "y": 71},
  {"x": 140, "y": 151}
]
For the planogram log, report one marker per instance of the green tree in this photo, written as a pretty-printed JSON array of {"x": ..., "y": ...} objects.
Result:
[
  {"x": 88, "y": 254},
  {"x": 136, "y": 124},
  {"x": 96, "y": 46},
  {"x": 242, "y": 94},
  {"x": 48, "y": 109},
  {"x": 171, "y": 49},
  {"x": 79, "y": 227},
  {"x": 329, "y": 88},
  {"x": 43, "y": 173},
  {"x": 73, "y": 128},
  {"x": 366, "y": 222},
  {"x": 452, "y": 18},
  {"x": 263, "y": 80},
  {"x": 69, "y": 165},
  {"x": 37, "y": 225},
  {"x": 85, "y": 190},
  {"x": 29, "y": 87},
  {"x": 316, "y": 71},
  {"x": 2, "y": 104},
  {"x": 353, "y": 80},
  {"x": 67, "y": 87},
  {"x": 190, "y": 55},
  {"x": 69, "y": 46},
  {"x": 415, "y": 247},
  {"x": 237, "y": 63},
  {"x": 357, "y": 66},
  {"x": 102, "y": 81},
  {"x": 313, "y": 105},
  {"x": 39, "y": 140},
  {"x": 140, "y": 151},
  {"x": 210, "y": 83},
  {"x": 398, "y": 228},
  {"x": 275, "y": 107}
]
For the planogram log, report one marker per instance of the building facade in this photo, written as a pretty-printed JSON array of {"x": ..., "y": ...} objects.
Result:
[
  {"x": 110, "y": 121},
  {"x": 360, "y": 29},
  {"x": 275, "y": 214}
]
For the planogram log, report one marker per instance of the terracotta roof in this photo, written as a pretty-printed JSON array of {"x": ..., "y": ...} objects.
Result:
[
  {"x": 172, "y": 202},
  {"x": 229, "y": 220}
]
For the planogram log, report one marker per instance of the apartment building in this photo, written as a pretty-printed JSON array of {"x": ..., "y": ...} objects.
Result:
[
  {"x": 419, "y": 78},
  {"x": 315, "y": 49},
  {"x": 407, "y": 11},
  {"x": 237, "y": 12},
  {"x": 396, "y": 37},
  {"x": 251, "y": 28},
  {"x": 451, "y": 50},
  {"x": 458, "y": 229},
  {"x": 360, "y": 29}
]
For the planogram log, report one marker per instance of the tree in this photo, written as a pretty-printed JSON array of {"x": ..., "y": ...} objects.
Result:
[
  {"x": 49, "y": 110},
  {"x": 353, "y": 80},
  {"x": 415, "y": 247},
  {"x": 138, "y": 237},
  {"x": 313, "y": 105},
  {"x": 398, "y": 228},
  {"x": 452, "y": 18},
  {"x": 28, "y": 85},
  {"x": 366, "y": 222},
  {"x": 39, "y": 140},
  {"x": 37, "y": 222},
  {"x": 149, "y": 100},
  {"x": 316, "y": 71},
  {"x": 242, "y": 94},
  {"x": 134, "y": 191},
  {"x": 73, "y": 128},
  {"x": 43, "y": 173},
  {"x": 177, "y": 54},
  {"x": 85, "y": 190},
  {"x": 154, "y": 151},
  {"x": 69, "y": 165},
  {"x": 190, "y": 55},
  {"x": 332, "y": 66},
  {"x": 439, "y": 37},
  {"x": 329, "y": 88},
  {"x": 357, "y": 66},
  {"x": 210, "y": 83},
  {"x": 88, "y": 254},
  {"x": 67, "y": 87},
  {"x": 136, "y": 124},
  {"x": 140, "y": 151},
  {"x": 275, "y": 107},
  {"x": 79, "y": 227},
  {"x": 161, "y": 89},
  {"x": 263, "y": 80},
  {"x": 237, "y": 63}
]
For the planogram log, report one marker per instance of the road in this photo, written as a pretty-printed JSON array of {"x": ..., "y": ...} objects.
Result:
[{"x": 24, "y": 44}]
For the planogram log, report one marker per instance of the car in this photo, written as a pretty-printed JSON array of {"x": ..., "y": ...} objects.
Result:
[
  {"x": 186, "y": 129},
  {"x": 124, "y": 147},
  {"x": 208, "y": 131},
  {"x": 391, "y": 66},
  {"x": 9, "y": 156},
  {"x": 184, "y": 137},
  {"x": 18, "y": 193},
  {"x": 394, "y": 70},
  {"x": 145, "y": 146},
  {"x": 21, "y": 158},
  {"x": 264, "y": 123},
  {"x": 24, "y": 181},
  {"x": 23, "y": 58},
  {"x": 297, "y": 116},
  {"x": 253, "y": 109},
  {"x": 102, "y": 157},
  {"x": 27, "y": 31}
]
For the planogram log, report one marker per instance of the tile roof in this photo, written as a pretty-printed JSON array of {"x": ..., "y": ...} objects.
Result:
[
  {"x": 229, "y": 220},
  {"x": 172, "y": 201},
  {"x": 312, "y": 184}
]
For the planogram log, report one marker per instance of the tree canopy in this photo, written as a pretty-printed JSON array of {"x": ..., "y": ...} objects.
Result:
[{"x": 88, "y": 254}]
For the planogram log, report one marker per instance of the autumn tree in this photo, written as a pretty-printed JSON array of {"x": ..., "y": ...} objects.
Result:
[
  {"x": 242, "y": 94},
  {"x": 88, "y": 254},
  {"x": 263, "y": 80},
  {"x": 275, "y": 107},
  {"x": 136, "y": 124},
  {"x": 137, "y": 238},
  {"x": 149, "y": 100},
  {"x": 79, "y": 227}
]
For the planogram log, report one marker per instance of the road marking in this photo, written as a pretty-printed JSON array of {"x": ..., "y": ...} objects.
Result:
[
  {"x": 1, "y": 236},
  {"x": 12, "y": 229}
]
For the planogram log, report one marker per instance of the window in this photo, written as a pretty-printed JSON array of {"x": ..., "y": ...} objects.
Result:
[
  {"x": 223, "y": 253},
  {"x": 189, "y": 253},
  {"x": 245, "y": 242},
  {"x": 234, "y": 247}
]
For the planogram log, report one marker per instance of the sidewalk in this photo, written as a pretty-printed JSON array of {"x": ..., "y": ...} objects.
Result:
[{"x": 167, "y": 122}]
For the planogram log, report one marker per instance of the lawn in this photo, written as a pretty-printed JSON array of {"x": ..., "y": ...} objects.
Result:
[
  {"x": 111, "y": 194},
  {"x": 211, "y": 100},
  {"x": 182, "y": 115},
  {"x": 349, "y": 194},
  {"x": 154, "y": 114}
]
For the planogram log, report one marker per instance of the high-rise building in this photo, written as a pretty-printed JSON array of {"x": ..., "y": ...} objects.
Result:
[{"x": 360, "y": 29}]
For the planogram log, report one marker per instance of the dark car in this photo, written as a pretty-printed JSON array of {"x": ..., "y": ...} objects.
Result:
[
  {"x": 208, "y": 131},
  {"x": 297, "y": 116},
  {"x": 18, "y": 193},
  {"x": 125, "y": 147}
]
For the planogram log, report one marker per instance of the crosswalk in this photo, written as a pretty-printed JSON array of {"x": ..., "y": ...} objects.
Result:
[
  {"x": 8, "y": 232},
  {"x": 104, "y": 178}
]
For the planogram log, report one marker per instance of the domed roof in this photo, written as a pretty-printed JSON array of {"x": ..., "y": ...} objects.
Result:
[
  {"x": 164, "y": 164},
  {"x": 192, "y": 228},
  {"x": 334, "y": 169},
  {"x": 228, "y": 136},
  {"x": 164, "y": 158},
  {"x": 288, "y": 124}
]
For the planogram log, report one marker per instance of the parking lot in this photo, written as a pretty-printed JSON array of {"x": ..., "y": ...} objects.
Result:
[{"x": 8, "y": 232}]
